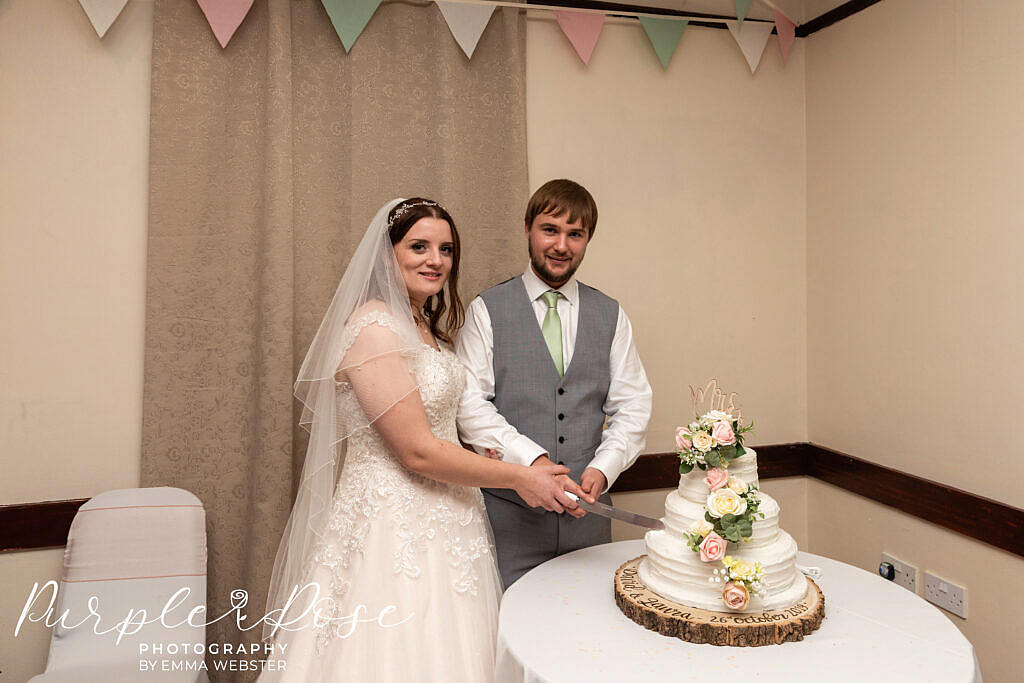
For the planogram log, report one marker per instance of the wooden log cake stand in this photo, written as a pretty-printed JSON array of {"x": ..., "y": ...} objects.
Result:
[{"x": 650, "y": 610}]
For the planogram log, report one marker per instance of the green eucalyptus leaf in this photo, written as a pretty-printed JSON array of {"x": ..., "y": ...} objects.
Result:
[{"x": 685, "y": 468}]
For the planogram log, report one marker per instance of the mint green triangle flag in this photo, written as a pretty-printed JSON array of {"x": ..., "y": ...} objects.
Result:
[
  {"x": 742, "y": 7},
  {"x": 350, "y": 17},
  {"x": 664, "y": 35}
]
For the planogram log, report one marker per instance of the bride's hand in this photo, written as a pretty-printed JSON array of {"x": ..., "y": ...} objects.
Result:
[{"x": 542, "y": 486}]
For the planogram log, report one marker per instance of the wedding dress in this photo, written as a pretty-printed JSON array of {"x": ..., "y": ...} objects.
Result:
[
  {"x": 404, "y": 565},
  {"x": 401, "y": 541}
]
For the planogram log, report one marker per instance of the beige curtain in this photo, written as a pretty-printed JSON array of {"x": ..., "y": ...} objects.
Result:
[{"x": 268, "y": 160}]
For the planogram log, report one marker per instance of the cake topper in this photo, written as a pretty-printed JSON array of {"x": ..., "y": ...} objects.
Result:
[{"x": 716, "y": 400}]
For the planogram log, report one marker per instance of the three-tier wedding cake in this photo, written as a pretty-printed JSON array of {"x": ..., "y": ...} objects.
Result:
[{"x": 721, "y": 571}]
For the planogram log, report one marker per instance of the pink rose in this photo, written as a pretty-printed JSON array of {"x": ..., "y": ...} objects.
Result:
[
  {"x": 722, "y": 434},
  {"x": 716, "y": 479},
  {"x": 735, "y": 596},
  {"x": 712, "y": 548},
  {"x": 682, "y": 438}
]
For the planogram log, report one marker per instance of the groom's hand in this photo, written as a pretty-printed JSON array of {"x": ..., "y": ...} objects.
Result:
[
  {"x": 567, "y": 485},
  {"x": 593, "y": 482}
]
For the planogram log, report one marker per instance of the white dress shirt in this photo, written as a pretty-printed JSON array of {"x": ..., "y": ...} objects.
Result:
[{"x": 627, "y": 406}]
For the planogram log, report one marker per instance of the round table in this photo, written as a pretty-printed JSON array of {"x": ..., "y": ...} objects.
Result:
[{"x": 560, "y": 623}]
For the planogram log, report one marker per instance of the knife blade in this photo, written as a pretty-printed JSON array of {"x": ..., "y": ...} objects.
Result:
[{"x": 599, "y": 508}]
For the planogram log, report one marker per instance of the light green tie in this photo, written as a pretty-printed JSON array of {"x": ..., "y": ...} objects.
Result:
[{"x": 552, "y": 329}]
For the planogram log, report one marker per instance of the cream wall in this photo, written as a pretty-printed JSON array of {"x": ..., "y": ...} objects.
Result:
[
  {"x": 914, "y": 165},
  {"x": 74, "y": 158},
  {"x": 74, "y": 144},
  {"x": 698, "y": 173}
]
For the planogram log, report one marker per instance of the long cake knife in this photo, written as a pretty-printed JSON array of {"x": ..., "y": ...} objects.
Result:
[{"x": 599, "y": 508}]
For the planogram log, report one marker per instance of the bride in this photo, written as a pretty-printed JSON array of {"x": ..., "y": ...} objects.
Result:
[{"x": 390, "y": 575}]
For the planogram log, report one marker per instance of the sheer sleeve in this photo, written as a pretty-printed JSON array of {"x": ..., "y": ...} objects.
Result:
[{"x": 373, "y": 348}]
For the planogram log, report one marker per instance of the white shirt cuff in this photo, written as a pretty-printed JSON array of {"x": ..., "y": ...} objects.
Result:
[
  {"x": 608, "y": 466},
  {"x": 523, "y": 451}
]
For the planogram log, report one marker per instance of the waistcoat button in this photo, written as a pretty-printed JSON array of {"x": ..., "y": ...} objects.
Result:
[{"x": 561, "y": 439}]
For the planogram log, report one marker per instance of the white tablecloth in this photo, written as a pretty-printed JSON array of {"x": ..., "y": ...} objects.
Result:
[{"x": 560, "y": 623}]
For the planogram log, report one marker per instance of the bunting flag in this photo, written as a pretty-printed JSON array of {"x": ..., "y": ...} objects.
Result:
[
  {"x": 102, "y": 13},
  {"x": 467, "y": 22},
  {"x": 582, "y": 29},
  {"x": 742, "y": 7},
  {"x": 664, "y": 35},
  {"x": 224, "y": 17},
  {"x": 350, "y": 17},
  {"x": 787, "y": 34},
  {"x": 751, "y": 40}
]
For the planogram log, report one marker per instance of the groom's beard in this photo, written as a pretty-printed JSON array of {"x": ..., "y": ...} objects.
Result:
[{"x": 541, "y": 268}]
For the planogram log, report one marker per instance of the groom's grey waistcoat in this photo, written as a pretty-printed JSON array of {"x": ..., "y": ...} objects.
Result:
[{"x": 564, "y": 415}]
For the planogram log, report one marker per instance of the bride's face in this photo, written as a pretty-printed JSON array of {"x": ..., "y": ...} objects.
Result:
[{"x": 425, "y": 257}]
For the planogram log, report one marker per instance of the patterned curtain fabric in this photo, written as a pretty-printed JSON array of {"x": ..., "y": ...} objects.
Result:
[{"x": 268, "y": 160}]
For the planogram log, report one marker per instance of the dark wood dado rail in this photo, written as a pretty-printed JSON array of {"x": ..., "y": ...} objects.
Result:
[
  {"x": 45, "y": 525},
  {"x": 980, "y": 518}
]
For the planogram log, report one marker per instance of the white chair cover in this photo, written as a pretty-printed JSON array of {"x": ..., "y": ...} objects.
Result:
[{"x": 131, "y": 549}]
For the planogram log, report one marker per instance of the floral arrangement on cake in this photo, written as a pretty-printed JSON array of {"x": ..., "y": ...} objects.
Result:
[
  {"x": 741, "y": 580},
  {"x": 713, "y": 441},
  {"x": 729, "y": 514}
]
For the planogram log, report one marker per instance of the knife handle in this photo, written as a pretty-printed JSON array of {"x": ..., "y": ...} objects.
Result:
[{"x": 572, "y": 496}]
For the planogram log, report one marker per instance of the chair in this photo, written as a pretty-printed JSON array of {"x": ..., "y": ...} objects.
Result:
[{"x": 131, "y": 549}]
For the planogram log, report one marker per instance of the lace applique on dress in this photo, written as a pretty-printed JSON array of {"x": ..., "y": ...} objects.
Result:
[{"x": 377, "y": 494}]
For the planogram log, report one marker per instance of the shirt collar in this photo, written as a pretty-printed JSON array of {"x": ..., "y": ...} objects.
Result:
[{"x": 535, "y": 287}]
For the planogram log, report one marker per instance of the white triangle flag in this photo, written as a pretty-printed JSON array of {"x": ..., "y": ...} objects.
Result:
[
  {"x": 467, "y": 22},
  {"x": 102, "y": 13},
  {"x": 751, "y": 39}
]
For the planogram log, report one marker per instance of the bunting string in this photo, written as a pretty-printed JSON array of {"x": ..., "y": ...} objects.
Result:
[{"x": 468, "y": 19}]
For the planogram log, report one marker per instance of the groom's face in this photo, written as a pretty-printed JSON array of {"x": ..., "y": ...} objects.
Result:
[{"x": 556, "y": 247}]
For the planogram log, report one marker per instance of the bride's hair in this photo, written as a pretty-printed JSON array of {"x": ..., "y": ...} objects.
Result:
[{"x": 400, "y": 220}]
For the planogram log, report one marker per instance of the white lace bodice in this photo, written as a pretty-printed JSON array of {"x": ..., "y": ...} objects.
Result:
[{"x": 377, "y": 494}]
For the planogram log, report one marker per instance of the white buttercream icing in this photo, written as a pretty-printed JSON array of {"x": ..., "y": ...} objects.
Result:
[{"x": 675, "y": 572}]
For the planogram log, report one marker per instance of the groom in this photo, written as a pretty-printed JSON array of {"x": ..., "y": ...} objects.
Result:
[{"x": 552, "y": 376}]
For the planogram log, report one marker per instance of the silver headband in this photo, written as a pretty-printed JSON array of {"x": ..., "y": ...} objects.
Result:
[{"x": 405, "y": 208}]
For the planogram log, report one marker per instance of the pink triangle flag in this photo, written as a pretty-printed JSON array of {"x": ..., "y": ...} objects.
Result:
[
  {"x": 787, "y": 33},
  {"x": 582, "y": 29},
  {"x": 751, "y": 38},
  {"x": 225, "y": 16},
  {"x": 102, "y": 13}
]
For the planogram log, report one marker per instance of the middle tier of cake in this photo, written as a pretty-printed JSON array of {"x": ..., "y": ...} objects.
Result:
[{"x": 674, "y": 571}]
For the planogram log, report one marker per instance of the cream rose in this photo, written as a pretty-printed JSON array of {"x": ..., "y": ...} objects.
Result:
[
  {"x": 744, "y": 571},
  {"x": 701, "y": 527},
  {"x": 702, "y": 441},
  {"x": 737, "y": 485},
  {"x": 724, "y": 502},
  {"x": 682, "y": 438},
  {"x": 735, "y": 596},
  {"x": 712, "y": 548},
  {"x": 722, "y": 434},
  {"x": 717, "y": 415}
]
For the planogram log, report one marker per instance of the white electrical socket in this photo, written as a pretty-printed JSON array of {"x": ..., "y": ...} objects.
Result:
[
  {"x": 946, "y": 594},
  {"x": 906, "y": 574}
]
